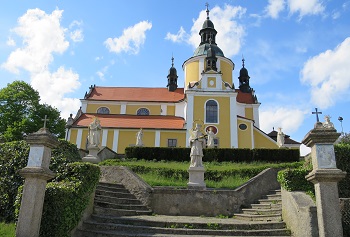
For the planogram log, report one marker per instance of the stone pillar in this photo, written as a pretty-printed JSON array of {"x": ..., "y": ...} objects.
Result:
[
  {"x": 36, "y": 174},
  {"x": 196, "y": 178},
  {"x": 325, "y": 176},
  {"x": 92, "y": 157}
]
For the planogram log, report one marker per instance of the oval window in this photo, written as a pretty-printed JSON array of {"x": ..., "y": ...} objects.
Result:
[{"x": 242, "y": 126}]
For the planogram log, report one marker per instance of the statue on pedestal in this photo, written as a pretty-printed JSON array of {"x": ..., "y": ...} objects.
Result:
[
  {"x": 197, "y": 143},
  {"x": 280, "y": 138},
  {"x": 139, "y": 137},
  {"x": 327, "y": 122},
  {"x": 210, "y": 138},
  {"x": 94, "y": 136}
]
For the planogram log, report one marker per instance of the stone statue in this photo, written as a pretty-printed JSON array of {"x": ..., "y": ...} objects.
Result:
[
  {"x": 210, "y": 138},
  {"x": 139, "y": 137},
  {"x": 94, "y": 132},
  {"x": 280, "y": 138},
  {"x": 327, "y": 122},
  {"x": 197, "y": 142}
]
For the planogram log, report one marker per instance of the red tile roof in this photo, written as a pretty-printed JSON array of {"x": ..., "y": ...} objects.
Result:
[
  {"x": 132, "y": 121},
  {"x": 245, "y": 98},
  {"x": 145, "y": 94}
]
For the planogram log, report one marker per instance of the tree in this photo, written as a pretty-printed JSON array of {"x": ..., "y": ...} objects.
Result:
[
  {"x": 21, "y": 113},
  {"x": 344, "y": 138}
]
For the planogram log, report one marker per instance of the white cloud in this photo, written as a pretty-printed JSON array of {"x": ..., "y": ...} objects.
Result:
[
  {"x": 274, "y": 8},
  {"x": 309, "y": 7},
  {"x": 131, "y": 40},
  {"x": 42, "y": 36},
  {"x": 10, "y": 42},
  {"x": 179, "y": 37},
  {"x": 231, "y": 33},
  {"x": 76, "y": 34},
  {"x": 328, "y": 75},
  {"x": 287, "y": 118}
]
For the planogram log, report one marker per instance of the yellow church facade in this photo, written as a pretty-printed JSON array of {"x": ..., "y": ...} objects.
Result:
[{"x": 168, "y": 115}]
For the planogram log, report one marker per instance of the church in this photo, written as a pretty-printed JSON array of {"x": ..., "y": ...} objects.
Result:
[{"x": 167, "y": 116}]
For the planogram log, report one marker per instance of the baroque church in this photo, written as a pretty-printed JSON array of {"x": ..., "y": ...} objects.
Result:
[{"x": 168, "y": 115}]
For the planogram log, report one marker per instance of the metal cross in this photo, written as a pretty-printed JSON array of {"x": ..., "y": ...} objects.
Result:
[
  {"x": 45, "y": 120},
  {"x": 317, "y": 113}
]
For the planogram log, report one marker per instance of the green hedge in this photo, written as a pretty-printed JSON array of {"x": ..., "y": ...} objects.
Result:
[
  {"x": 13, "y": 157},
  {"x": 214, "y": 154},
  {"x": 66, "y": 200},
  {"x": 294, "y": 180},
  {"x": 342, "y": 154}
]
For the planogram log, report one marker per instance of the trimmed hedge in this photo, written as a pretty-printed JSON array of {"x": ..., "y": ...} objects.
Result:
[
  {"x": 342, "y": 154},
  {"x": 13, "y": 157},
  {"x": 294, "y": 180},
  {"x": 214, "y": 154},
  {"x": 66, "y": 200}
]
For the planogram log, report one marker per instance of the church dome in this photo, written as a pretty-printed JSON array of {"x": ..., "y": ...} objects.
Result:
[
  {"x": 243, "y": 72},
  {"x": 172, "y": 71},
  {"x": 203, "y": 48},
  {"x": 208, "y": 24}
]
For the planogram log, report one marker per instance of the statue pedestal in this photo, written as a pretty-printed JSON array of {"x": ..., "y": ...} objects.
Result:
[
  {"x": 196, "y": 178},
  {"x": 92, "y": 157}
]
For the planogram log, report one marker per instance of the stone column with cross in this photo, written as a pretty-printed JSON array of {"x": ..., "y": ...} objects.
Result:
[
  {"x": 36, "y": 174},
  {"x": 325, "y": 176}
]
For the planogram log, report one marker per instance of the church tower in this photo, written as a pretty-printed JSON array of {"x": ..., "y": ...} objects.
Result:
[
  {"x": 244, "y": 79},
  {"x": 172, "y": 77}
]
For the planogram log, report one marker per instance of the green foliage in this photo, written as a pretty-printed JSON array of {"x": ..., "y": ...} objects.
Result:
[
  {"x": 345, "y": 138},
  {"x": 218, "y": 174},
  {"x": 21, "y": 113},
  {"x": 66, "y": 200},
  {"x": 7, "y": 229},
  {"x": 342, "y": 154},
  {"x": 214, "y": 154},
  {"x": 294, "y": 180},
  {"x": 13, "y": 157}
]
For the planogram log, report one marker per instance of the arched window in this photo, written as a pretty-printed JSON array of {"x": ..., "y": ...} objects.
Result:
[
  {"x": 211, "y": 111},
  {"x": 103, "y": 110},
  {"x": 142, "y": 111}
]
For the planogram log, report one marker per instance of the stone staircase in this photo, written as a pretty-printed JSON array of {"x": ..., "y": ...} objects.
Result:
[
  {"x": 119, "y": 213},
  {"x": 268, "y": 209}
]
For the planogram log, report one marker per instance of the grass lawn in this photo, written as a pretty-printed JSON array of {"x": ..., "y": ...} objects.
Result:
[
  {"x": 7, "y": 229},
  {"x": 218, "y": 174}
]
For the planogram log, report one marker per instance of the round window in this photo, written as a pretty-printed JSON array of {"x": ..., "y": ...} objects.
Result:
[{"x": 242, "y": 126}]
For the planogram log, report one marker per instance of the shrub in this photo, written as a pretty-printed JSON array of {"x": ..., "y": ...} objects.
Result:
[
  {"x": 66, "y": 200},
  {"x": 342, "y": 154},
  {"x": 13, "y": 157},
  {"x": 294, "y": 180},
  {"x": 214, "y": 154}
]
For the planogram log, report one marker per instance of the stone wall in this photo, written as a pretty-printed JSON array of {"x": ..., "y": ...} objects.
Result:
[
  {"x": 300, "y": 214},
  {"x": 183, "y": 201}
]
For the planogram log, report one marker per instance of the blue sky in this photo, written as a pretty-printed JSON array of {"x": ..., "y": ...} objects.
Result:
[{"x": 297, "y": 52}]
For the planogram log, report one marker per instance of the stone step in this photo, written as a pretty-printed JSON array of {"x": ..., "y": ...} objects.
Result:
[
  {"x": 116, "y": 185},
  {"x": 267, "y": 217},
  {"x": 87, "y": 233},
  {"x": 270, "y": 201},
  {"x": 110, "y": 227},
  {"x": 266, "y": 206},
  {"x": 137, "y": 207},
  {"x": 132, "y": 201},
  {"x": 112, "y": 189},
  {"x": 205, "y": 223},
  {"x": 114, "y": 194},
  {"x": 120, "y": 212},
  {"x": 260, "y": 211},
  {"x": 273, "y": 196}
]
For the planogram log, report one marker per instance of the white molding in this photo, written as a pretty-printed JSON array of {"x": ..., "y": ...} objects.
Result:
[
  {"x": 189, "y": 119},
  {"x": 233, "y": 123},
  {"x": 163, "y": 109},
  {"x": 122, "y": 108},
  {"x": 104, "y": 137},
  {"x": 252, "y": 134},
  {"x": 157, "y": 139},
  {"x": 84, "y": 104},
  {"x": 115, "y": 140},
  {"x": 79, "y": 137}
]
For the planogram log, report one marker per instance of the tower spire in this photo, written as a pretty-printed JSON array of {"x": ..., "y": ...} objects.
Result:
[
  {"x": 172, "y": 76},
  {"x": 207, "y": 5}
]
